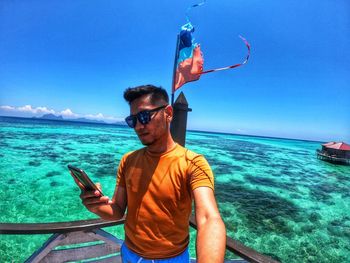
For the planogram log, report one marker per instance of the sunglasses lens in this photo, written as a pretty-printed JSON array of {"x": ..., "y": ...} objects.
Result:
[
  {"x": 144, "y": 117},
  {"x": 131, "y": 121}
]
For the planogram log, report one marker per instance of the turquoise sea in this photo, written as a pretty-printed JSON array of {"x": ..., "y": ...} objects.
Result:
[{"x": 274, "y": 194}]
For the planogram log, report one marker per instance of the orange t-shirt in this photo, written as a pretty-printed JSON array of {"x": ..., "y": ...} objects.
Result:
[{"x": 158, "y": 188}]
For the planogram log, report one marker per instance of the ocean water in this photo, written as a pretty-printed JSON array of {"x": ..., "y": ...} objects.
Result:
[{"x": 273, "y": 194}]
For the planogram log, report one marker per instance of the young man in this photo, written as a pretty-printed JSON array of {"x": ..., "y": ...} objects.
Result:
[{"x": 157, "y": 185}]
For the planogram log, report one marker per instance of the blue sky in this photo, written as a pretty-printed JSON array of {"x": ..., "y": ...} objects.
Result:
[{"x": 76, "y": 58}]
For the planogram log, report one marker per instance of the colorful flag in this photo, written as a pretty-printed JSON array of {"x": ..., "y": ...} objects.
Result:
[{"x": 189, "y": 58}]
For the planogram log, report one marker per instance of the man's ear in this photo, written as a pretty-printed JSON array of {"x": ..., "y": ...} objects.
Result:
[{"x": 169, "y": 111}]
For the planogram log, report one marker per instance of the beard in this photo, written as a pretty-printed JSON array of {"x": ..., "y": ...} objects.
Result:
[
  {"x": 150, "y": 137},
  {"x": 146, "y": 141}
]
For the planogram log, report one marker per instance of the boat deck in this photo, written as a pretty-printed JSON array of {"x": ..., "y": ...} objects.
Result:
[{"x": 86, "y": 241}]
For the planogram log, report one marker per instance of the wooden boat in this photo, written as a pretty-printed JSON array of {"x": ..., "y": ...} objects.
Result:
[{"x": 85, "y": 241}]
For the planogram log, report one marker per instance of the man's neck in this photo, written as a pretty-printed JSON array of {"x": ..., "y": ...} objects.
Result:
[{"x": 161, "y": 147}]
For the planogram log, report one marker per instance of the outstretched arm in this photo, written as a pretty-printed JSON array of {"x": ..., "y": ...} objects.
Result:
[{"x": 211, "y": 232}]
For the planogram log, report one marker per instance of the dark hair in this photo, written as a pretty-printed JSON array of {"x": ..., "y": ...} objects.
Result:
[{"x": 157, "y": 93}]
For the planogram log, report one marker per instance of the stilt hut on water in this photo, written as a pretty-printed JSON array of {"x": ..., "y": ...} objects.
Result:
[{"x": 335, "y": 152}]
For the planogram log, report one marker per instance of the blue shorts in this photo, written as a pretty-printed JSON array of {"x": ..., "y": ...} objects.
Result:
[{"x": 130, "y": 257}]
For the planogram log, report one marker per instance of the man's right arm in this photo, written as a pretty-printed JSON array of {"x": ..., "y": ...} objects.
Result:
[{"x": 103, "y": 206}]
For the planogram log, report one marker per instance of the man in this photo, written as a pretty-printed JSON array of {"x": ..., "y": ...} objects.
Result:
[{"x": 157, "y": 185}]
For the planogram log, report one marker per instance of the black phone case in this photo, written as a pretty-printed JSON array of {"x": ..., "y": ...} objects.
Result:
[{"x": 83, "y": 178}]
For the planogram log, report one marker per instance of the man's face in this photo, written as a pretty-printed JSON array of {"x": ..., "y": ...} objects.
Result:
[{"x": 157, "y": 129}]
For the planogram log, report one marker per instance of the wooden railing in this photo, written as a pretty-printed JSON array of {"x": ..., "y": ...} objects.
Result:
[
  {"x": 241, "y": 250},
  {"x": 59, "y": 227},
  {"x": 85, "y": 225}
]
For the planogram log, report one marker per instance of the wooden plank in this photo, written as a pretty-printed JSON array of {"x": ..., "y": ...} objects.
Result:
[
  {"x": 59, "y": 227},
  {"x": 106, "y": 237},
  {"x": 89, "y": 225},
  {"x": 78, "y": 238},
  {"x": 113, "y": 259},
  {"x": 80, "y": 253},
  {"x": 45, "y": 249},
  {"x": 246, "y": 252}
]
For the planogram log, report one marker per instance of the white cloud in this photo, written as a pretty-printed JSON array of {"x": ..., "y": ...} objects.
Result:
[
  {"x": 29, "y": 111},
  {"x": 7, "y": 108},
  {"x": 102, "y": 117},
  {"x": 68, "y": 113},
  {"x": 26, "y": 108},
  {"x": 98, "y": 116},
  {"x": 37, "y": 110},
  {"x": 110, "y": 118},
  {"x": 44, "y": 110}
]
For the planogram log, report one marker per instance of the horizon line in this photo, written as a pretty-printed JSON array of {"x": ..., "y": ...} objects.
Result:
[{"x": 190, "y": 130}]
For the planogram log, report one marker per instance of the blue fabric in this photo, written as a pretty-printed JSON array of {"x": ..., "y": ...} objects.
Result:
[
  {"x": 185, "y": 53},
  {"x": 186, "y": 39},
  {"x": 130, "y": 257}
]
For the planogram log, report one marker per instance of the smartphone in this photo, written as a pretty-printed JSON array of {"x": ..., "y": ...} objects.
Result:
[{"x": 83, "y": 178}]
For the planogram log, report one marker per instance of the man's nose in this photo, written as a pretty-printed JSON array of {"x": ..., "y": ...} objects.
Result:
[{"x": 139, "y": 125}]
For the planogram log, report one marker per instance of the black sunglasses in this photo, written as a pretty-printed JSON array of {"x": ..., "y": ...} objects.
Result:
[{"x": 143, "y": 117}]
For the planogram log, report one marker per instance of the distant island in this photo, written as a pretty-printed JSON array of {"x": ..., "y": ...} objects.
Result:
[{"x": 60, "y": 118}]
